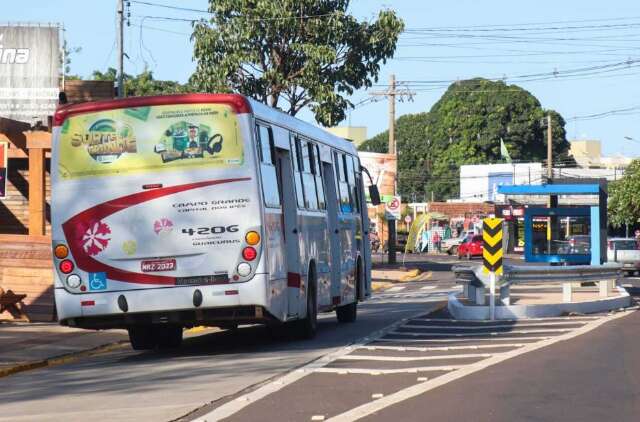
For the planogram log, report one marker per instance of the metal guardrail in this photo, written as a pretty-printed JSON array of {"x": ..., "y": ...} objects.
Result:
[{"x": 513, "y": 274}]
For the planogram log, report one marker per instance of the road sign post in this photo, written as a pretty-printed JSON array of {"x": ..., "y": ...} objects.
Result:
[
  {"x": 392, "y": 213},
  {"x": 492, "y": 256}
]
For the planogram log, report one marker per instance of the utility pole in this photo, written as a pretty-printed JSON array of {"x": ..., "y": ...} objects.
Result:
[
  {"x": 120, "y": 48},
  {"x": 391, "y": 95},
  {"x": 549, "y": 149}
]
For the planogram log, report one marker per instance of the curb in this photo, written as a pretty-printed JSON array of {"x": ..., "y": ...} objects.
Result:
[{"x": 60, "y": 360}]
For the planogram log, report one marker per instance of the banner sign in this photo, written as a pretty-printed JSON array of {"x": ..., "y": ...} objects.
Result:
[
  {"x": 382, "y": 168},
  {"x": 29, "y": 72},
  {"x": 4, "y": 171},
  {"x": 149, "y": 139}
]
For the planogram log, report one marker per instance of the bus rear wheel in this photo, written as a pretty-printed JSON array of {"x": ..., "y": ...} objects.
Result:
[
  {"x": 168, "y": 336},
  {"x": 142, "y": 337},
  {"x": 306, "y": 328}
]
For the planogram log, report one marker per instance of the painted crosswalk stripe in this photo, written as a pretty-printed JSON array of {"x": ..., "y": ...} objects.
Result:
[
  {"x": 488, "y": 333},
  {"x": 416, "y": 358},
  {"x": 485, "y": 327},
  {"x": 445, "y": 340},
  {"x": 428, "y": 287},
  {"x": 440, "y": 348},
  {"x": 326, "y": 370},
  {"x": 396, "y": 289}
]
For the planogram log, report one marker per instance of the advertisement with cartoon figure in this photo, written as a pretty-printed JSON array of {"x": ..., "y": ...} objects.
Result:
[{"x": 154, "y": 138}]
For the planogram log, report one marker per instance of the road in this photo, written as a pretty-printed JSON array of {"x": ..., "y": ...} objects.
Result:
[
  {"x": 155, "y": 386},
  {"x": 398, "y": 362}
]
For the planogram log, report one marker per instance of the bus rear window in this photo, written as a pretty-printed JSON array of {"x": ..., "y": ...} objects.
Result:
[{"x": 149, "y": 139}]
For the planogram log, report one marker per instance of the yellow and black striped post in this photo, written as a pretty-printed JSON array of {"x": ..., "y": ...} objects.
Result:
[{"x": 492, "y": 245}]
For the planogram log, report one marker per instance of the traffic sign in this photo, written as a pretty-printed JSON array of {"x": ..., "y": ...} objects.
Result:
[
  {"x": 492, "y": 245},
  {"x": 407, "y": 219},
  {"x": 392, "y": 208}
]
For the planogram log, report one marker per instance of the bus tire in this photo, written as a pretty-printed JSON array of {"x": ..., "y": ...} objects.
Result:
[
  {"x": 142, "y": 337},
  {"x": 349, "y": 313},
  {"x": 168, "y": 336},
  {"x": 306, "y": 328}
]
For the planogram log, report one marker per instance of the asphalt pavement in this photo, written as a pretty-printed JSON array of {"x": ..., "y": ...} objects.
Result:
[{"x": 206, "y": 372}]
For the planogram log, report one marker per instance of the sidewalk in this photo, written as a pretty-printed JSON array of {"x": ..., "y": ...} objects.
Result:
[{"x": 26, "y": 346}]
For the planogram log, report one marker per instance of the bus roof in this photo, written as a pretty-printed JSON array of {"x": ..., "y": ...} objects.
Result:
[{"x": 277, "y": 117}]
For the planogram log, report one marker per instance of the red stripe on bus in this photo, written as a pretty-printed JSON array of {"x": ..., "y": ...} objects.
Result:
[
  {"x": 75, "y": 228},
  {"x": 88, "y": 303},
  {"x": 293, "y": 280},
  {"x": 236, "y": 101}
]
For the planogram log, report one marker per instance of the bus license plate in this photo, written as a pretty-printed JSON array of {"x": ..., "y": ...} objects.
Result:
[{"x": 156, "y": 265}]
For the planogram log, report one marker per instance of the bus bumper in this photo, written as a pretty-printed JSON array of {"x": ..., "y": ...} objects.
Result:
[{"x": 239, "y": 302}]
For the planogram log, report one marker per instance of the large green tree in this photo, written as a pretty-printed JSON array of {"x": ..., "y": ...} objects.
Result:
[
  {"x": 142, "y": 84},
  {"x": 465, "y": 127},
  {"x": 624, "y": 201},
  {"x": 292, "y": 54}
]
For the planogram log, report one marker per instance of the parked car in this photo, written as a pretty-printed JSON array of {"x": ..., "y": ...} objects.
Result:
[
  {"x": 470, "y": 247},
  {"x": 450, "y": 246},
  {"x": 625, "y": 251}
]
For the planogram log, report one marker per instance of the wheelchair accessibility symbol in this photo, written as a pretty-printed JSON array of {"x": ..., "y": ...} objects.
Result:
[{"x": 97, "y": 281}]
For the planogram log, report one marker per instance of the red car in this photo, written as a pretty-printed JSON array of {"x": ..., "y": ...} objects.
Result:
[{"x": 470, "y": 247}]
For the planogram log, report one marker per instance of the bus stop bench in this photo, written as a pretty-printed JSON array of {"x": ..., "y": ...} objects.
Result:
[{"x": 9, "y": 302}]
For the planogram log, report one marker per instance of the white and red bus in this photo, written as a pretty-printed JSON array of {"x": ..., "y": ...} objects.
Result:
[{"x": 203, "y": 209}]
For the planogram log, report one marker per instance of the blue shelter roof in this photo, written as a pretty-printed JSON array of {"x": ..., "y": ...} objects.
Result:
[{"x": 568, "y": 189}]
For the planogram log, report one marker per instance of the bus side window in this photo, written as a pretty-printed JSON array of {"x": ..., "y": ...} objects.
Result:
[
  {"x": 297, "y": 175},
  {"x": 343, "y": 185},
  {"x": 317, "y": 171},
  {"x": 310, "y": 195},
  {"x": 355, "y": 188},
  {"x": 270, "y": 186}
]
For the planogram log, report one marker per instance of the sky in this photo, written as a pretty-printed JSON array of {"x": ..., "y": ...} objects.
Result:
[{"x": 577, "y": 57}]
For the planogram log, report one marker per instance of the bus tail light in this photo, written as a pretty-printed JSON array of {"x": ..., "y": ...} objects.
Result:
[
  {"x": 66, "y": 266},
  {"x": 252, "y": 238},
  {"x": 243, "y": 269},
  {"x": 249, "y": 253},
  {"x": 61, "y": 251},
  {"x": 74, "y": 281}
]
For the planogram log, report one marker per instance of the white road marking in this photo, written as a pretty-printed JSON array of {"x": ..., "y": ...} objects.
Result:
[
  {"x": 440, "y": 348},
  {"x": 317, "y": 417},
  {"x": 396, "y": 289},
  {"x": 488, "y": 333},
  {"x": 428, "y": 287},
  {"x": 421, "y": 388},
  {"x": 627, "y": 285},
  {"x": 484, "y": 327},
  {"x": 377, "y": 396},
  {"x": 433, "y": 340},
  {"x": 415, "y": 358},
  {"x": 239, "y": 403},
  {"x": 523, "y": 320},
  {"x": 366, "y": 371}
]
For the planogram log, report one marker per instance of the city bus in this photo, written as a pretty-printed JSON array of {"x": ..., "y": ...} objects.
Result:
[{"x": 176, "y": 211}]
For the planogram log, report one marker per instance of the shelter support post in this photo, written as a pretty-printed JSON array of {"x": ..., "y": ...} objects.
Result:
[{"x": 37, "y": 143}]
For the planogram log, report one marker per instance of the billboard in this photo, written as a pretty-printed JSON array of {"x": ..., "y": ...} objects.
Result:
[
  {"x": 382, "y": 168},
  {"x": 29, "y": 72},
  {"x": 498, "y": 179},
  {"x": 4, "y": 172},
  {"x": 149, "y": 139}
]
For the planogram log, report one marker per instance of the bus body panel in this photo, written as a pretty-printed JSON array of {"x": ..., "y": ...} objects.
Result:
[{"x": 155, "y": 235}]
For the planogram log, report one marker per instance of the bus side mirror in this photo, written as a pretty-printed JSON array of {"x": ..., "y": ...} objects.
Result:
[{"x": 374, "y": 195}]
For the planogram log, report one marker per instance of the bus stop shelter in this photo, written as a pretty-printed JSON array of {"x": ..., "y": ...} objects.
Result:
[{"x": 569, "y": 234}]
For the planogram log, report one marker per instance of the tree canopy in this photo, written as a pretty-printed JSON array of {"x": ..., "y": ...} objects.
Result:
[
  {"x": 465, "y": 127},
  {"x": 142, "y": 84},
  {"x": 624, "y": 201},
  {"x": 292, "y": 54}
]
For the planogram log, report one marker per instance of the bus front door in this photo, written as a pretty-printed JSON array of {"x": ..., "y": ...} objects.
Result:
[
  {"x": 334, "y": 230},
  {"x": 291, "y": 239}
]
